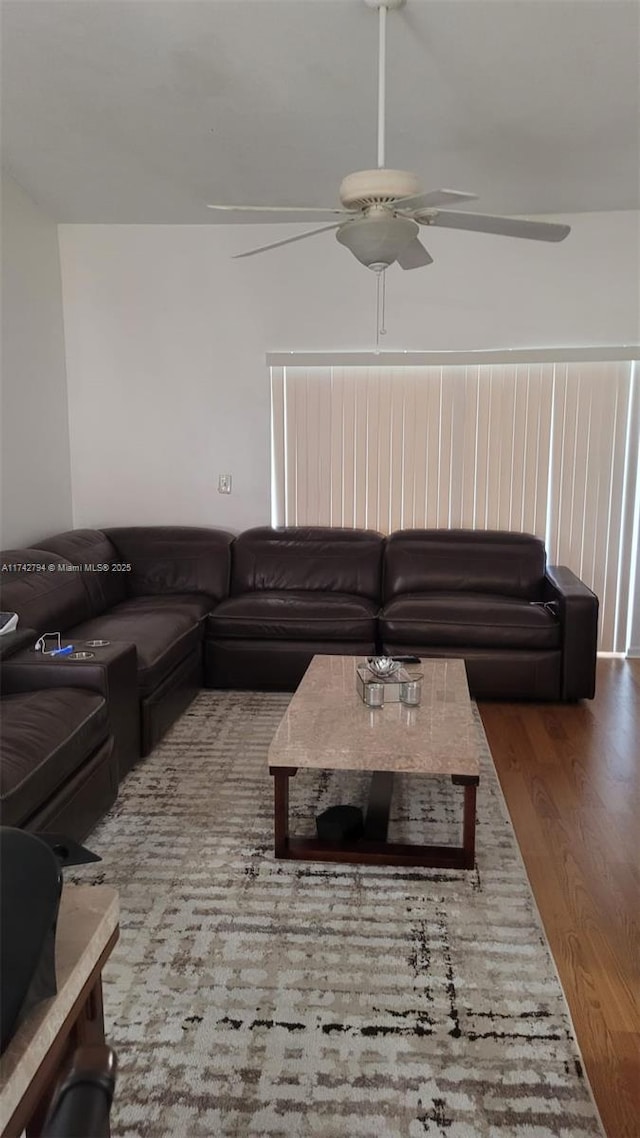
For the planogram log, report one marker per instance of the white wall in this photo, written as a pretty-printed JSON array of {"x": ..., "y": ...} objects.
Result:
[
  {"x": 36, "y": 480},
  {"x": 166, "y": 339}
]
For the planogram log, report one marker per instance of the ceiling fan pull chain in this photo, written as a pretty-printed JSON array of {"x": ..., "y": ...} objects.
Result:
[
  {"x": 382, "y": 67},
  {"x": 380, "y": 303}
]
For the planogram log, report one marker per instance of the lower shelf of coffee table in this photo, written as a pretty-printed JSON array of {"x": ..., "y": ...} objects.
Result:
[
  {"x": 373, "y": 848},
  {"x": 376, "y": 853}
]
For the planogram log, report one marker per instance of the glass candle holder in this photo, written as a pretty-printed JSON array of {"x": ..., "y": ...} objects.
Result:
[
  {"x": 408, "y": 715},
  {"x": 411, "y": 691},
  {"x": 374, "y": 695}
]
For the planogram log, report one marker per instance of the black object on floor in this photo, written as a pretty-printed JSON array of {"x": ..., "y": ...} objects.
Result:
[
  {"x": 67, "y": 850},
  {"x": 340, "y": 824}
]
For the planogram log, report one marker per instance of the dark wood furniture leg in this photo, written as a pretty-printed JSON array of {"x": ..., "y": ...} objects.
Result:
[
  {"x": 469, "y": 827},
  {"x": 468, "y": 851},
  {"x": 281, "y": 776}
]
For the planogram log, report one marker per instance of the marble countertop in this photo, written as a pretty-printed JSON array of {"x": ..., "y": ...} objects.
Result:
[
  {"x": 327, "y": 725},
  {"x": 87, "y": 918}
]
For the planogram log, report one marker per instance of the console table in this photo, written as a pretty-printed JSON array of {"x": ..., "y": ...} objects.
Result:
[{"x": 40, "y": 1051}]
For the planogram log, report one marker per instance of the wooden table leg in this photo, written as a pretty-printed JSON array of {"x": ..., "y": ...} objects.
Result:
[
  {"x": 469, "y": 826},
  {"x": 281, "y": 777}
]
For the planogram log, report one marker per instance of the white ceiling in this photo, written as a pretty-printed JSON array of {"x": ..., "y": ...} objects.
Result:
[{"x": 144, "y": 110}]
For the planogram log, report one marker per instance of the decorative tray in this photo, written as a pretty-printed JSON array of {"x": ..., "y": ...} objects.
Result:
[{"x": 391, "y": 684}]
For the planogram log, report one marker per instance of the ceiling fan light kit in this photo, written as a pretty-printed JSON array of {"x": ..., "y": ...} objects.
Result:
[
  {"x": 382, "y": 209},
  {"x": 377, "y": 239}
]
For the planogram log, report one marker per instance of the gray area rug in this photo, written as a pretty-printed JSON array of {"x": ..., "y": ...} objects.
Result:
[{"x": 253, "y": 997}]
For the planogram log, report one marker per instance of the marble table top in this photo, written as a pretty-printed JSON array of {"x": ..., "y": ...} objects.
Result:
[
  {"x": 87, "y": 918},
  {"x": 327, "y": 725}
]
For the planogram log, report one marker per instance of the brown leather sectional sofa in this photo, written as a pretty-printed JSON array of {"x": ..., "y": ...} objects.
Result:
[{"x": 184, "y": 607}]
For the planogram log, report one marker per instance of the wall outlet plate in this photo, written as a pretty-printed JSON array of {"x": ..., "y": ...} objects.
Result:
[{"x": 224, "y": 484}]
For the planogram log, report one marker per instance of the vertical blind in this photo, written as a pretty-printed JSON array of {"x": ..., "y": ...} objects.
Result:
[{"x": 543, "y": 448}]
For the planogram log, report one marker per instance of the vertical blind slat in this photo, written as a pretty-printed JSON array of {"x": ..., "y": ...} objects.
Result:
[
  {"x": 469, "y": 450},
  {"x": 278, "y": 449},
  {"x": 627, "y": 587},
  {"x": 336, "y": 399},
  {"x": 348, "y": 454},
  {"x": 615, "y": 548}
]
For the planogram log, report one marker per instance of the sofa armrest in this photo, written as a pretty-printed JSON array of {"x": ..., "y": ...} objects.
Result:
[
  {"x": 577, "y": 608},
  {"x": 112, "y": 672}
]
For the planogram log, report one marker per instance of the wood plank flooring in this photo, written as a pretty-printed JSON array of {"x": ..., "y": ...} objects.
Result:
[{"x": 571, "y": 776}]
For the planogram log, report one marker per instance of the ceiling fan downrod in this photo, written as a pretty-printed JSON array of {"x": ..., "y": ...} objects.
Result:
[{"x": 382, "y": 6}]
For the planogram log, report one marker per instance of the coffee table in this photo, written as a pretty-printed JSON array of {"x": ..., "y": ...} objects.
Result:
[{"x": 328, "y": 727}]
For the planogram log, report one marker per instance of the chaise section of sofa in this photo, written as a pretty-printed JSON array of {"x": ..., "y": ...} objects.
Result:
[
  {"x": 524, "y": 631},
  {"x": 295, "y": 592}
]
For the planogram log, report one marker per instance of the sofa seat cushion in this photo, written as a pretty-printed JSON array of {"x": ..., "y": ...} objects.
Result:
[
  {"x": 469, "y": 620},
  {"x": 303, "y": 615},
  {"x": 165, "y": 630},
  {"x": 46, "y": 736}
]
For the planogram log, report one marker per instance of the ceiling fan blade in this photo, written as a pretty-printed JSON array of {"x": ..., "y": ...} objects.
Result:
[
  {"x": 287, "y": 241},
  {"x": 505, "y": 226},
  {"x": 289, "y": 213},
  {"x": 434, "y": 198},
  {"x": 414, "y": 255}
]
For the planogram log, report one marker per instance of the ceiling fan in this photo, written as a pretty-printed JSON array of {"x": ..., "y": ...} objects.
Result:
[{"x": 383, "y": 209}]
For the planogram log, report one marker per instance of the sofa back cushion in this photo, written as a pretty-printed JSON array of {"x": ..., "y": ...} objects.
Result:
[
  {"x": 44, "y": 589},
  {"x": 96, "y": 556},
  {"x": 309, "y": 558},
  {"x": 174, "y": 559},
  {"x": 461, "y": 560}
]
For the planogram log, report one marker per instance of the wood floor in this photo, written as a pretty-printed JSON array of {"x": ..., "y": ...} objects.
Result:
[{"x": 571, "y": 778}]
